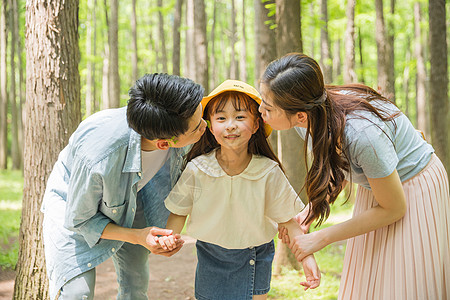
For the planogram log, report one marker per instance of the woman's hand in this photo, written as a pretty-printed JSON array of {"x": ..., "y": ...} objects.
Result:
[
  {"x": 152, "y": 244},
  {"x": 283, "y": 232},
  {"x": 306, "y": 244}
]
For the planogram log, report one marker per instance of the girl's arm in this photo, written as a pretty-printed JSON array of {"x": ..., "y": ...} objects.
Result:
[
  {"x": 176, "y": 223},
  {"x": 312, "y": 272},
  {"x": 388, "y": 192}
]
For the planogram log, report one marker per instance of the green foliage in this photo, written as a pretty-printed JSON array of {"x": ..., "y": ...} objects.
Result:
[{"x": 11, "y": 185}]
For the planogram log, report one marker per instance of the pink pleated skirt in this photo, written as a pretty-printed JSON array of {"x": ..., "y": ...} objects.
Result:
[{"x": 409, "y": 259}]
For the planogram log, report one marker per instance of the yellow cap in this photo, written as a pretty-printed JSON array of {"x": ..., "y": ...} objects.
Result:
[{"x": 237, "y": 86}]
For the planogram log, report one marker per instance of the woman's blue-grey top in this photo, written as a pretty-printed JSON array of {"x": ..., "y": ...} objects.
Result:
[{"x": 376, "y": 148}]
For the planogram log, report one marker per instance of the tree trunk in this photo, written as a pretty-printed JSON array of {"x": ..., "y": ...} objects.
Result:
[
  {"x": 190, "y": 41},
  {"x": 176, "y": 37},
  {"x": 134, "y": 50},
  {"x": 16, "y": 153},
  {"x": 265, "y": 48},
  {"x": 390, "y": 55},
  {"x": 422, "y": 116},
  {"x": 381, "y": 39},
  {"x": 337, "y": 59},
  {"x": 201, "y": 44},
  {"x": 234, "y": 72},
  {"x": 3, "y": 88},
  {"x": 212, "y": 61},
  {"x": 406, "y": 75},
  {"x": 439, "y": 80},
  {"x": 325, "y": 55},
  {"x": 105, "y": 68},
  {"x": 114, "y": 79},
  {"x": 243, "y": 52},
  {"x": 349, "y": 62},
  {"x": 361, "y": 55},
  {"x": 90, "y": 77},
  {"x": 53, "y": 112},
  {"x": 162, "y": 38},
  {"x": 21, "y": 101},
  {"x": 288, "y": 16}
]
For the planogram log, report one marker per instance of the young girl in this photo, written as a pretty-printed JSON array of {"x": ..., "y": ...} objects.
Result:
[
  {"x": 399, "y": 234},
  {"x": 235, "y": 193}
]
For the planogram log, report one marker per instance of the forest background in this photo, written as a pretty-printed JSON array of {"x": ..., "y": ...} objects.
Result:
[{"x": 61, "y": 61}]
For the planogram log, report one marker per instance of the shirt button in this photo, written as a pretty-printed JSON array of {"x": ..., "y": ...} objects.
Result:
[
  {"x": 89, "y": 265},
  {"x": 114, "y": 211},
  {"x": 133, "y": 209},
  {"x": 140, "y": 174},
  {"x": 251, "y": 262},
  {"x": 64, "y": 279},
  {"x": 113, "y": 249}
]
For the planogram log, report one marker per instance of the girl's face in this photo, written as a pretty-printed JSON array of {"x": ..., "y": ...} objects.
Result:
[
  {"x": 233, "y": 128},
  {"x": 274, "y": 115}
]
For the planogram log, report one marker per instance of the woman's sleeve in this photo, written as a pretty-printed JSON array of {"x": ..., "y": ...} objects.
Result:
[
  {"x": 181, "y": 197},
  {"x": 282, "y": 202},
  {"x": 374, "y": 152}
]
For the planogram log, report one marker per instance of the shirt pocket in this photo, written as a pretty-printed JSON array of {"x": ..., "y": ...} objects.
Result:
[{"x": 114, "y": 212}]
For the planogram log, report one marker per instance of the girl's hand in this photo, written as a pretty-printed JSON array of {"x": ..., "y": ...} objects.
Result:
[
  {"x": 312, "y": 273},
  {"x": 168, "y": 242},
  {"x": 306, "y": 244}
]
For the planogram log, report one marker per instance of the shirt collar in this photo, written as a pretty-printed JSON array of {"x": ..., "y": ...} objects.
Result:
[{"x": 258, "y": 167}]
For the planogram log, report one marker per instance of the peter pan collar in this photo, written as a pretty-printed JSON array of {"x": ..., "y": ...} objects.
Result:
[{"x": 257, "y": 168}]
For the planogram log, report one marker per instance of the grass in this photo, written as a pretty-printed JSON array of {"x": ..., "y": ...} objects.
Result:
[
  {"x": 330, "y": 260},
  {"x": 11, "y": 186}
]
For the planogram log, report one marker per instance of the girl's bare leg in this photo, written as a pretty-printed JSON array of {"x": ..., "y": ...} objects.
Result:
[{"x": 260, "y": 297}]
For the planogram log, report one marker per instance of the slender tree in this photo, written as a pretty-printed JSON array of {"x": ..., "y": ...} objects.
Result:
[
  {"x": 201, "y": 43},
  {"x": 390, "y": 53},
  {"x": 190, "y": 41},
  {"x": 349, "y": 42},
  {"x": 337, "y": 59},
  {"x": 234, "y": 72},
  {"x": 3, "y": 87},
  {"x": 361, "y": 55},
  {"x": 243, "y": 52},
  {"x": 113, "y": 71},
  {"x": 16, "y": 153},
  {"x": 177, "y": 37},
  {"x": 106, "y": 58},
  {"x": 53, "y": 112},
  {"x": 162, "y": 39},
  {"x": 381, "y": 39},
  {"x": 325, "y": 55},
  {"x": 90, "y": 64},
  {"x": 134, "y": 49},
  {"x": 21, "y": 90},
  {"x": 439, "y": 80},
  {"x": 422, "y": 115},
  {"x": 212, "y": 41}
]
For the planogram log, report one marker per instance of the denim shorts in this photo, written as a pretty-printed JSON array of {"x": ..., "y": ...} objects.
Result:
[{"x": 233, "y": 274}]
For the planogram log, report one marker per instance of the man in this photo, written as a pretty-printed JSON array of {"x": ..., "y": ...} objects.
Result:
[{"x": 105, "y": 195}]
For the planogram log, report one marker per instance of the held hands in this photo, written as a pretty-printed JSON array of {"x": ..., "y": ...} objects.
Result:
[
  {"x": 150, "y": 239},
  {"x": 302, "y": 245}
]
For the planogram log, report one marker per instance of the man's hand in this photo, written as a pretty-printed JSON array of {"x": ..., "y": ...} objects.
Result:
[{"x": 152, "y": 244}]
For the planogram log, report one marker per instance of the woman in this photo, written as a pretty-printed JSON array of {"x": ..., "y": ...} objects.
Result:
[{"x": 398, "y": 237}]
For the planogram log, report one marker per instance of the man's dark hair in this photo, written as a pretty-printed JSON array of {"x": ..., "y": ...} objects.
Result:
[{"x": 160, "y": 105}]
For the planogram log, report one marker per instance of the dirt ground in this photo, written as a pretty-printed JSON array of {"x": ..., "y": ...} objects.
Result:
[{"x": 170, "y": 278}]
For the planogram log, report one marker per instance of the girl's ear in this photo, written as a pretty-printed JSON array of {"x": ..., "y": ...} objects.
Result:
[{"x": 256, "y": 125}]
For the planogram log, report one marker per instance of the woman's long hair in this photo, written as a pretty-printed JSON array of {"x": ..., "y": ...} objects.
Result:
[
  {"x": 295, "y": 83},
  {"x": 257, "y": 144}
]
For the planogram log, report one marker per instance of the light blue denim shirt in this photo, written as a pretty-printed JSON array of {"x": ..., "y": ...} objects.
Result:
[{"x": 93, "y": 183}]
